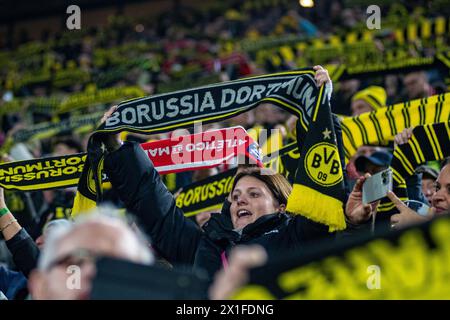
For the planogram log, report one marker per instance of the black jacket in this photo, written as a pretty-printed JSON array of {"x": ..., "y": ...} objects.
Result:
[
  {"x": 179, "y": 239},
  {"x": 24, "y": 251}
]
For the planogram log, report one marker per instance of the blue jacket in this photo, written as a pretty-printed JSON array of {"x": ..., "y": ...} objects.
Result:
[{"x": 11, "y": 282}]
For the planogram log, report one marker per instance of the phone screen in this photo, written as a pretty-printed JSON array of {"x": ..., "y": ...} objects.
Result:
[{"x": 377, "y": 186}]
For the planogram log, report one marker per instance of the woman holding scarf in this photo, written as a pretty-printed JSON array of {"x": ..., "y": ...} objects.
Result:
[{"x": 255, "y": 214}]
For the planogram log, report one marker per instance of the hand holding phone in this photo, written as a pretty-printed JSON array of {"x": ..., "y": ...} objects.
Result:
[{"x": 377, "y": 186}]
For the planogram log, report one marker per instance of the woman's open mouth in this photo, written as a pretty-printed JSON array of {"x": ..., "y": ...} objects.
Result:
[{"x": 243, "y": 213}]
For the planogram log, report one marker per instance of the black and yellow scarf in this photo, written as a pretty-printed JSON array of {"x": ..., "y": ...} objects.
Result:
[
  {"x": 318, "y": 187},
  {"x": 408, "y": 264},
  {"x": 377, "y": 127}
]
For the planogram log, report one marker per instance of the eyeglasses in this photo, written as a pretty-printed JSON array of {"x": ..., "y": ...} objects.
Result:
[{"x": 76, "y": 257}]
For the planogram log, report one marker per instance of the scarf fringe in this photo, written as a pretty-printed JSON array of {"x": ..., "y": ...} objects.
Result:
[{"x": 317, "y": 206}]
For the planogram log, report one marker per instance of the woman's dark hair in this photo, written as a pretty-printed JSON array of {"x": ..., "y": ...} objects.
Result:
[{"x": 277, "y": 183}]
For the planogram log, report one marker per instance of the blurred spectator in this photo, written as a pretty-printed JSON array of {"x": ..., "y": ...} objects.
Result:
[
  {"x": 203, "y": 174},
  {"x": 229, "y": 280},
  {"x": 245, "y": 119},
  {"x": 440, "y": 200},
  {"x": 376, "y": 162},
  {"x": 429, "y": 176},
  {"x": 66, "y": 146},
  {"x": 416, "y": 86},
  {"x": 40, "y": 241},
  {"x": 392, "y": 86},
  {"x": 269, "y": 115},
  {"x": 23, "y": 248},
  {"x": 352, "y": 172},
  {"x": 367, "y": 100},
  {"x": 11, "y": 284}
]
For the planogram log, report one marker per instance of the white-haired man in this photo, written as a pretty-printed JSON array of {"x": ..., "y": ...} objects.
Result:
[{"x": 71, "y": 251}]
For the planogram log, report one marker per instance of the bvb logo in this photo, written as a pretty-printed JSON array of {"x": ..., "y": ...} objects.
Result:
[{"x": 322, "y": 164}]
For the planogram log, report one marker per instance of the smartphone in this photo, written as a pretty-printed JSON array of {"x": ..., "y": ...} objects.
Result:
[{"x": 377, "y": 186}]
